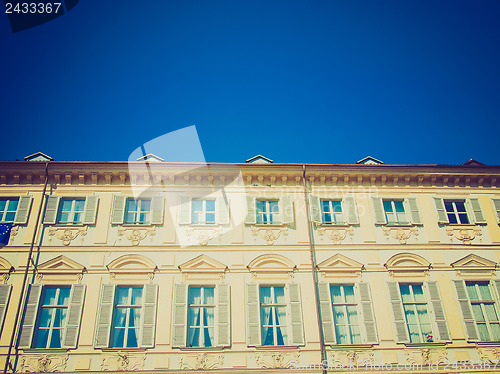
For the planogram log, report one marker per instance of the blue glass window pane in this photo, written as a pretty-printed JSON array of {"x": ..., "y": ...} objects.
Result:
[
  {"x": 120, "y": 317},
  {"x": 193, "y": 337},
  {"x": 210, "y": 217},
  {"x": 460, "y": 206},
  {"x": 337, "y": 206},
  {"x": 50, "y": 296},
  {"x": 197, "y": 205},
  {"x": 261, "y": 206},
  {"x": 349, "y": 294},
  {"x": 327, "y": 218},
  {"x": 13, "y": 205},
  {"x": 418, "y": 293},
  {"x": 448, "y": 206},
  {"x": 56, "y": 339},
  {"x": 267, "y": 333},
  {"x": 3, "y": 203},
  {"x": 210, "y": 205},
  {"x": 452, "y": 218},
  {"x": 405, "y": 293},
  {"x": 208, "y": 337},
  {"x": 66, "y": 205},
  {"x": 194, "y": 295},
  {"x": 130, "y": 218},
  {"x": 134, "y": 317},
  {"x": 399, "y": 206},
  {"x": 77, "y": 218},
  {"x": 463, "y": 218},
  {"x": 132, "y": 338},
  {"x": 325, "y": 206},
  {"x": 143, "y": 217},
  {"x": 265, "y": 295},
  {"x": 60, "y": 316},
  {"x": 122, "y": 296},
  {"x": 10, "y": 216},
  {"x": 279, "y": 295},
  {"x": 387, "y": 206},
  {"x": 471, "y": 291},
  {"x": 484, "y": 290},
  {"x": 195, "y": 218},
  {"x": 63, "y": 296},
  {"x": 79, "y": 205},
  {"x": 208, "y": 296},
  {"x": 145, "y": 205},
  {"x": 41, "y": 338},
  {"x": 336, "y": 294},
  {"x": 118, "y": 336},
  {"x": 46, "y": 317},
  {"x": 136, "y": 296},
  {"x": 274, "y": 208},
  {"x": 131, "y": 205}
]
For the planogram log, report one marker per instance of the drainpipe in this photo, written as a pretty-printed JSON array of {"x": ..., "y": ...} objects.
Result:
[
  {"x": 314, "y": 273},
  {"x": 22, "y": 299}
]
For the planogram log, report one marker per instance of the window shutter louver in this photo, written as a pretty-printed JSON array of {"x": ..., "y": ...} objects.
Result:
[
  {"x": 253, "y": 315},
  {"x": 438, "y": 311},
  {"x": 74, "y": 316},
  {"x": 150, "y": 292},
  {"x": 413, "y": 213},
  {"x": 185, "y": 210},
  {"x": 466, "y": 308},
  {"x": 105, "y": 316},
  {"x": 30, "y": 314},
  {"x": 398, "y": 313},
  {"x": 326, "y": 312},
  {"x": 157, "y": 209},
  {"x": 315, "y": 209},
  {"x": 223, "y": 309},
  {"x": 23, "y": 210},
  {"x": 180, "y": 315},
  {"x": 5, "y": 290},
  {"x": 365, "y": 301},
  {"x": 477, "y": 213},
  {"x": 51, "y": 210},
  {"x": 223, "y": 204},
  {"x": 251, "y": 211},
  {"x": 442, "y": 216},
  {"x": 349, "y": 210},
  {"x": 496, "y": 208},
  {"x": 118, "y": 213},
  {"x": 295, "y": 313},
  {"x": 286, "y": 210},
  {"x": 378, "y": 211},
  {"x": 90, "y": 214},
  {"x": 497, "y": 288}
]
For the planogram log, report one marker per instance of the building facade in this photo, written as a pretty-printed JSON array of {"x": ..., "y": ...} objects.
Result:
[{"x": 154, "y": 266}]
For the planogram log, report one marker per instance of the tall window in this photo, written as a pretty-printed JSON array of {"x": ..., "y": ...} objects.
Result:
[
  {"x": 345, "y": 315},
  {"x": 52, "y": 317},
  {"x": 203, "y": 212},
  {"x": 273, "y": 315},
  {"x": 417, "y": 316},
  {"x": 138, "y": 212},
  {"x": 331, "y": 212},
  {"x": 267, "y": 212},
  {"x": 127, "y": 317},
  {"x": 483, "y": 307},
  {"x": 201, "y": 317},
  {"x": 456, "y": 212},
  {"x": 395, "y": 212},
  {"x": 71, "y": 211},
  {"x": 8, "y": 208}
]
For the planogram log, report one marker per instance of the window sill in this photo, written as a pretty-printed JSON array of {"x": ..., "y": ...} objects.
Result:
[
  {"x": 197, "y": 349},
  {"x": 61, "y": 225},
  {"x": 137, "y": 224},
  {"x": 275, "y": 347},
  {"x": 431, "y": 344},
  {"x": 334, "y": 225},
  {"x": 352, "y": 346},
  {"x": 490, "y": 342},
  {"x": 45, "y": 350},
  {"x": 268, "y": 224},
  {"x": 109, "y": 349},
  {"x": 203, "y": 225}
]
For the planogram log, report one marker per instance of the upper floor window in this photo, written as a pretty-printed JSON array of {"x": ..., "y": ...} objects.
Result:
[
  {"x": 8, "y": 209},
  {"x": 273, "y": 315},
  {"x": 71, "y": 211},
  {"x": 345, "y": 314},
  {"x": 395, "y": 212},
  {"x": 484, "y": 311},
  {"x": 127, "y": 317},
  {"x": 331, "y": 212},
  {"x": 459, "y": 211},
  {"x": 203, "y": 212},
  {"x": 456, "y": 212},
  {"x": 416, "y": 314},
  {"x": 137, "y": 212},
  {"x": 201, "y": 315},
  {"x": 52, "y": 317},
  {"x": 268, "y": 212}
]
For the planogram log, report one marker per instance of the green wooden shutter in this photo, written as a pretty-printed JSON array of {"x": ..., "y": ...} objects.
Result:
[
  {"x": 368, "y": 316},
  {"x": 412, "y": 212},
  {"x": 466, "y": 308},
  {"x": 223, "y": 205},
  {"x": 251, "y": 211},
  {"x": 253, "y": 315},
  {"x": 326, "y": 312},
  {"x": 315, "y": 209},
  {"x": 185, "y": 210},
  {"x": 51, "y": 210},
  {"x": 23, "y": 210},
  {"x": 497, "y": 288},
  {"x": 74, "y": 316},
  {"x": 442, "y": 216},
  {"x": 496, "y": 208},
  {"x": 476, "y": 211},
  {"x": 157, "y": 209},
  {"x": 438, "y": 311},
  {"x": 398, "y": 313},
  {"x": 378, "y": 211},
  {"x": 149, "y": 302},
  {"x": 105, "y": 316},
  {"x": 30, "y": 314},
  {"x": 5, "y": 290},
  {"x": 90, "y": 214},
  {"x": 222, "y": 317},
  {"x": 349, "y": 210},
  {"x": 294, "y": 306},
  {"x": 118, "y": 212},
  {"x": 286, "y": 209},
  {"x": 180, "y": 315}
]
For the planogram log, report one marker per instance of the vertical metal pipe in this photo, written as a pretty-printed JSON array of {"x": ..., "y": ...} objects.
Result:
[
  {"x": 314, "y": 274},
  {"x": 20, "y": 309}
]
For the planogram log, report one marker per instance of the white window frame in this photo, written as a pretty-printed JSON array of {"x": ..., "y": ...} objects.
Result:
[
  {"x": 202, "y": 307},
  {"x": 397, "y": 221},
  {"x": 71, "y": 212},
  {"x": 333, "y": 214},
  {"x": 273, "y": 307},
  {"x": 127, "y": 326},
  {"x": 137, "y": 212},
  {"x": 273, "y": 218},
  {"x": 203, "y": 213},
  {"x": 456, "y": 212},
  {"x": 413, "y": 304},
  {"x": 6, "y": 211},
  {"x": 51, "y": 327},
  {"x": 481, "y": 303},
  {"x": 344, "y": 306}
]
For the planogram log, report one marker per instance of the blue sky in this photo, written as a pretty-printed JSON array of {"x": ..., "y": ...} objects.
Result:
[{"x": 297, "y": 81}]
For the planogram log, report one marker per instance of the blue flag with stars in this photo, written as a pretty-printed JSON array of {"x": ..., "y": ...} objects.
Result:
[{"x": 5, "y": 233}]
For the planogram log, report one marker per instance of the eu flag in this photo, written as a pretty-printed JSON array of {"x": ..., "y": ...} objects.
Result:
[{"x": 5, "y": 233}]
